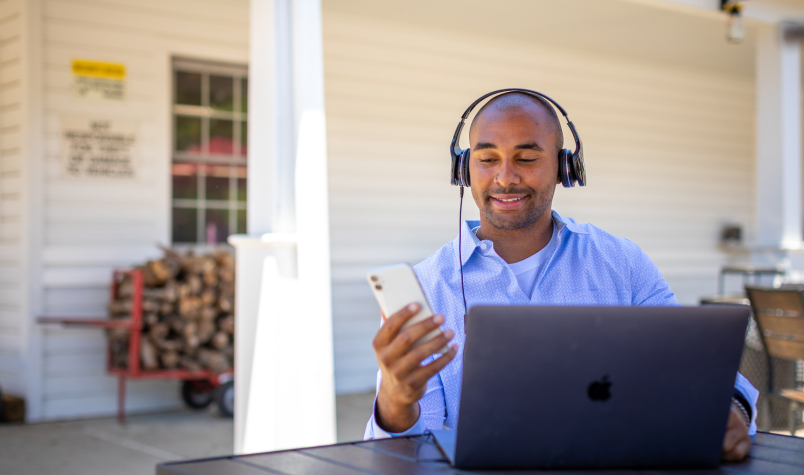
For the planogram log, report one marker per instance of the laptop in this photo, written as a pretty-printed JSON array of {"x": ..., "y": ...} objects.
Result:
[{"x": 595, "y": 387}]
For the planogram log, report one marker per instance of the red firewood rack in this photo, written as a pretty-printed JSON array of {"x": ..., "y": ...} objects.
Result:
[{"x": 203, "y": 380}]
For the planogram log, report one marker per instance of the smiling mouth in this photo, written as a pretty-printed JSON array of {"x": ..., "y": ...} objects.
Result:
[{"x": 508, "y": 204}]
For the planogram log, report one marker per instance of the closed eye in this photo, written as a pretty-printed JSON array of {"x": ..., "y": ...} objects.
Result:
[{"x": 530, "y": 157}]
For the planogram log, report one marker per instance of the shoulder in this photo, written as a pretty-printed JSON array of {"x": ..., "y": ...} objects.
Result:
[
  {"x": 591, "y": 236},
  {"x": 615, "y": 261},
  {"x": 587, "y": 242}
]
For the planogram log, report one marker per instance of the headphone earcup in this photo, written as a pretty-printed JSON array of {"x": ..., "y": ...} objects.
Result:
[
  {"x": 578, "y": 168},
  {"x": 460, "y": 168},
  {"x": 455, "y": 175},
  {"x": 565, "y": 168},
  {"x": 465, "y": 168}
]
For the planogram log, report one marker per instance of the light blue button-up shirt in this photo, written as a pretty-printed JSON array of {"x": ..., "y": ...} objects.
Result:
[{"x": 588, "y": 266}]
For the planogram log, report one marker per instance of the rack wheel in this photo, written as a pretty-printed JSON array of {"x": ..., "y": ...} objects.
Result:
[
  {"x": 196, "y": 394},
  {"x": 224, "y": 397}
]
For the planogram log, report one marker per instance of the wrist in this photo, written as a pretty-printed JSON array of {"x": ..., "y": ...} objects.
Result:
[
  {"x": 744, "y": 412},
  {"x": 393, "y": 416},
  {"x": 743, "y": 404}
]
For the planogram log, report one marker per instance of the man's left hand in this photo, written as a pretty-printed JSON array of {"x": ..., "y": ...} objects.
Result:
[{"x": 737, "y": 443}]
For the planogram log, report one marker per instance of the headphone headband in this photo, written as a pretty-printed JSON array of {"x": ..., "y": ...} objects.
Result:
[{"x": 513, "y": 89}]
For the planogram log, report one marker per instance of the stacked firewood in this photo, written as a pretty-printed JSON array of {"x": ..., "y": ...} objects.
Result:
[{"x": 187, "y": 312}]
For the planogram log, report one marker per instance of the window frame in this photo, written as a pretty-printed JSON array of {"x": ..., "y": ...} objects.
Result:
[{"x": 236, "y": 162}]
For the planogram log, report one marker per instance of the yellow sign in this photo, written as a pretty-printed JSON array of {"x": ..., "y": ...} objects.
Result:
[{"x": 99, "y": 69}]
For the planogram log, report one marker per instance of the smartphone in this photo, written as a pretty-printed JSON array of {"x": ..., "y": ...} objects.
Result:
[{"x": 395, "y": 287}]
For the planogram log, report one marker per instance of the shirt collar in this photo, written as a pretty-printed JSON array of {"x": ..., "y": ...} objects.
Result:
[
  {"x": 470, "y": 242},
  {"x": 568, "y": 223}
]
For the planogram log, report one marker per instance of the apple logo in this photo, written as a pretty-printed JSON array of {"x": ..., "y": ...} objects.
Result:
[{"x": 599, "y": 390}]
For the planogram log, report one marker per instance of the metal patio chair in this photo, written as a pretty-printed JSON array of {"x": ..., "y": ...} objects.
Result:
[{"x": 779, "y": 314}]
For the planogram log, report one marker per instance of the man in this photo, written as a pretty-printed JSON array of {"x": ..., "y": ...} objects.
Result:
[{"x": 521, "y": 253}]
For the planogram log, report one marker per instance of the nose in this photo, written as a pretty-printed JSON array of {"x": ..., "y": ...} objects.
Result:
[{"x": 507, "y": 174}]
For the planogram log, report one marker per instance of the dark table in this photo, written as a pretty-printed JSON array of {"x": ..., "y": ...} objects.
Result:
[{"x": 770, "y": 454}]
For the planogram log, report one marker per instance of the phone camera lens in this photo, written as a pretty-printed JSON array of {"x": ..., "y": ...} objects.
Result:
[
  {"x": 374, "y": 278},
  {"x": 378, "y": 287}
]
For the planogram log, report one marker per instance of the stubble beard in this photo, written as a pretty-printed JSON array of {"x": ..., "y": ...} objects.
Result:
[{"x": 538, "y": 202}]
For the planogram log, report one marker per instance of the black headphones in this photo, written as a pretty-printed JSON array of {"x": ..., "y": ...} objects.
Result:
[{"x": 570, "y": 164}]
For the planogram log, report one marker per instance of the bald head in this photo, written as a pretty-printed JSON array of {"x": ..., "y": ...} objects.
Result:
[{"x": 521, "y": 102}]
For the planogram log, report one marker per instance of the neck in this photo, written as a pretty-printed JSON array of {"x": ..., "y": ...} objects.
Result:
[{"x": 514, "y": 245}]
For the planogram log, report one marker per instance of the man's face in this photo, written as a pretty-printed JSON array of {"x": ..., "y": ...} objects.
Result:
[{"x": 513, "y": 165}]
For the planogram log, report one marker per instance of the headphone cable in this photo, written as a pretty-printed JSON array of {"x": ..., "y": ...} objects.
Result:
[{"x": 460, "y": 260}]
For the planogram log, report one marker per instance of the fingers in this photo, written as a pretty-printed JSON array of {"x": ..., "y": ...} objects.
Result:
[
  {"x": 738, "y": 451},
  {"x": 400, "y": 362},
  {"x": 423, "y": 373},
  {"x": 406, "y": 338},
  {"x": 741, "y": 451},
  {"x": 413, "y": 359},
  {"x": 730, "y": 440},
  {"x": 392, "y": 325}
]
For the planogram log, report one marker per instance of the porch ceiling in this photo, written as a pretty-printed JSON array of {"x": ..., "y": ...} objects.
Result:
[{"x": 616, "y": 28}]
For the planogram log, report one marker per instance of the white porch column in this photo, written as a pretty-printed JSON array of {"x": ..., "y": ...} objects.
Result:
[
  {"x": 316, "y": 359},
  {"x": 778, "y": 143},
  {"x": 261, "y": 118},
  {"x": 284, "y": 376},
  {"x": 273, "y": 119}
]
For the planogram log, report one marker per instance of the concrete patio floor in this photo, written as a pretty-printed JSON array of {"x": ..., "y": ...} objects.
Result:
[{"x": 102, "y": 446}]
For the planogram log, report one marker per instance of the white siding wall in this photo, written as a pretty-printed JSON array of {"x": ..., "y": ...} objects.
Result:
[
  {"x": 11, "y": 177},
  {"x": 91, "y": 226},
  {"x": 669, "y": 154}
]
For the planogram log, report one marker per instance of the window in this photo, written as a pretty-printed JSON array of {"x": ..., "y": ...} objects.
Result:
[{"x": 210, "y": 114}]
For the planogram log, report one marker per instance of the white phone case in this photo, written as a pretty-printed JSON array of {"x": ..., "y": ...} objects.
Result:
[{"x": 395, "y": 287}]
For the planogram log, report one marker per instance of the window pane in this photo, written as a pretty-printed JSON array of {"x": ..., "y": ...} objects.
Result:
[
  {"x": 221, "y": 137},
  {"x": 185, "y": 224},
  {"x": 217, "y": 183},
  {"x": 242, "y": 190},
  {"x": 244, "y": 95},
  {"x": 185, "y": 182},
  {"x": 241, "y": 221},
  {"x": 242, "y": 174},
  {"x": 188, "y": 88},
  {"x": 244, "y": 138},
  {"x": 217, "y": 225},
  {"x": 188, "y": 134},
  {"x": 221, "y": 92}
]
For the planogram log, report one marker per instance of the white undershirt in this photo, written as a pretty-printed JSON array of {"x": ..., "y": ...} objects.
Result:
[{"x": 527, "y": 270}]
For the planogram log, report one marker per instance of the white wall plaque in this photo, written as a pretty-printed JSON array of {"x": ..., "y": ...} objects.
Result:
[{"x": 98, "y": 148}]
